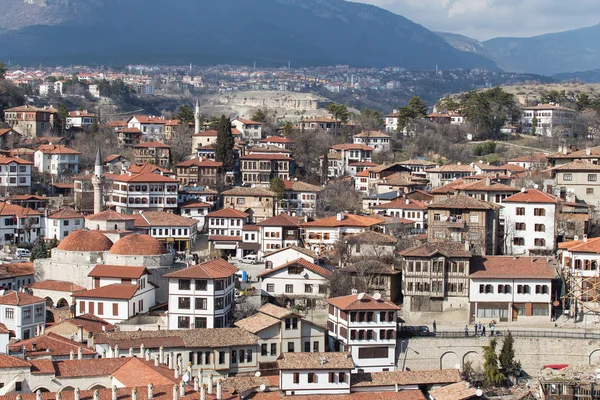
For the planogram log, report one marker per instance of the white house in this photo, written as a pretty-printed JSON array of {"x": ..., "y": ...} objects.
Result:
[
  {"x": 15, "y": 172},
  {"x": 580, "y": 259},
  {"x": 548, "y": 117},
  {"x": 322, "y": 235},
  {"x": 296, "y": 280},
  {"x": 277, "y": 141},
  {"x": 391, "y": 122},
  {"x": 198, "y": 211},
  {"x": 150, "y": 126},
  {"x": 279, "y": 232},
  {"x": 277, "y": 258},
  {"x": 119, "y": 293},
  {"x": 202, "y": 296},
  {"x": 445, "y": 174},
  {"x": 19, "y": 224},
  {"x": 506, "y": 288},
  {"x": 530, "y": 222},
  {"x": 176, "y": 232},
  {"x": 51, "y": 87},
  {"x": 225, "y": 228},
  {"x": 80, "y": 119},
  {"x": 56, "y": 160},
  {"x": 299, "y": 198},
  {"x": 412, "y": 210},
  {"x": 341, "y": 155},
  {"x": 312, "y": 374},
  {"x": 377, "y": 140},
  {"x": 132, "y": 193},
  {"x": 280, "y": 330},
  {"x": 22, "y": 313},
  {"x": 364, "y": 326},
  {"x": 251, "y": 130},
  {"x": 61, "y": 223}
]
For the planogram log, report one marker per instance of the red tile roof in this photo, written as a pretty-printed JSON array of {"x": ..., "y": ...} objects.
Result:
[
  {"x": 144, "y": 119},
  {"x": 276, "y": 139},
  {"x": 7, "y": 209},
  {"x": 162, "y": 218},
  {"x": 293, "y": 185},
  {"x": 222, "y": 238},
  {"x": 228, "y": 213},
  {"x": 57, "y": 286},
  {"x": 367, "y": 302},
  {"x": 7, "y": 160},
  {"x": 352, "y": 146},
  {"x": 142, "y": 178},
  {"x": 263, "y": 156},
  {"x": 119, "y": 291},
  {"x": 85, "y": 240},
  {"x": 199, "y": 162},
  {"x": 348, "y": 220},
  {"x": 490, "y": 267},
  {"x": 152, "y": 144},
  {"x": 88, "y": 322},
  {"x": 12, "y": 362},
  {"x": 214, "y": 269},
  {"x": 582, "y": 246},
  {"x": 138, "y": 245},
  {"x": 65, "y": 213},
  {"x": 248, "y": 121},
  {"x": 402, "y": 204},
  {"x": 137, "y": 373},
  {"x": 282, "y": 219},
  {"x": 109, "y": 215},
  {"x": 208, "y": 133},
  {"x": 148, "y": 168},
  {"x": 195, "y": 204},
  {"x": 12, "y": 298},
  {"x": 532, "y": 196},
  {"x": 16, "y": 269},
  {"x": 303, "y": 263},
  {"x": 56, "y": 149},
  {"x": 50, "y": 344},
  {"x": 117, "y": 271}
]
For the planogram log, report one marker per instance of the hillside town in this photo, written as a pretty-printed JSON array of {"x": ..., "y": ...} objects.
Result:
[{"x": 191, "y": 256}]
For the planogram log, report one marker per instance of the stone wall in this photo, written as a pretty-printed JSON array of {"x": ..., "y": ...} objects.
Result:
[{"x": 533, "y": 353}]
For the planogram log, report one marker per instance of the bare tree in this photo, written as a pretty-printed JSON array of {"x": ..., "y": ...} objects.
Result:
[
  {"x": 181, "y": 143},
  {"x": 88, "y": 143},
  {"x": 338, "y": 196}
]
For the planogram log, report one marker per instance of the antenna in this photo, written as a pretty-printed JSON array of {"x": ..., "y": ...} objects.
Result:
[
  {"x": 360, "y": 296},
  {"x": 257, "y": 374},
  {"x": 377, "y": 296},
  {"x": 262, "y": 387}
]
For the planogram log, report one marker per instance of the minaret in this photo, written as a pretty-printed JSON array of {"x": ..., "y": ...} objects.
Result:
[
  {"x": 197, "y": 117},
  {"x": 97, "y": 181}
]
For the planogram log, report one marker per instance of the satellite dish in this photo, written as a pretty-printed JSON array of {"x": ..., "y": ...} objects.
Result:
[
  {"x": 257, "y": 374},
  {"x": 99, "y": 260},
  {"x": 262, "y": 387},
  {"x": 360, "y": 296},
  {"x": 536, "y": 186},
  {"x": 478, "y": 392},
  {"x": 457, "y": 366},
  {"x": 185, "y": 378},
  {"x": 522, "y": 190},
  {"x": 377, "y": 296}
]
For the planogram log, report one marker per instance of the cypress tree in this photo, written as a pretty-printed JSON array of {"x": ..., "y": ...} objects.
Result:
[
  {"x": 224, "y": 144},
  {"x": 493, "y": 376},
  {"x": 507, "y": 356}
]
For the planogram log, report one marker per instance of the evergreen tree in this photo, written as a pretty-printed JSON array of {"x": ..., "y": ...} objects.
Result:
[
  {"x": 324, "y": 168},
  {"x": 39, "y": 250},
  {"x": 415, "y": 109},
  {"x": 277, "y": 186},
  {"x": 534, "y": 123},
  {"x": 493, "y": 376},
  {"x": 260, "y": 115},
  {"x": 340, "y": 113},
  {"x": 63, "y": 113},
  {"x": 224, "y": 144},
  {"x": 288, "y": 128},
  {"x": 54, "y": 243},
  {"x": 507, "y": 356},
  {"x": 2, "y": 70},
  {"x": 185, "y": 114}
]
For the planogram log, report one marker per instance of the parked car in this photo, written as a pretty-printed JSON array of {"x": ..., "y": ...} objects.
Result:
[
  {"x": 420, "y": 330},
  {"x": 23, "y": 253},
  {"x": 250, "y": 259}
]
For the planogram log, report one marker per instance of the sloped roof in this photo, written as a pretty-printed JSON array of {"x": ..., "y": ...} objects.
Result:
[
  {"x": 228, "y": 213},
  {"x": 12, "y": 298},
  {"x": 347, "y": 220},
  {"x": 283, "y": 219},
  {"x": 448, "y": 249},
  {"x": 302, "y": 250},
  {"x": 117, "y": 271},
  {"x": 276, "y": 139},
  {"x": 532, "y": 196},
  {"x": 257, "y": 322},
  {"x": 85, "y": 240},
  {"x": 57, "y": 286},
  {"x": 50, "y": 344},
  {"x": 402, "y": 204},
  {"x": 425, "y": 377},
  {"x": 65, "y": 213},
  {"x": 591, "y": 245},
  {"x": 489, "y": 267},
  {"x": 119, "y": 291},
  {"x": 315, "y": 361},
  {"x": 162, "y": 218},
  {"x": 303, "y": 263},
  {"x": 214, "y": 269},
  {"x": 248, "y": 191},
  {"x": 464, "y": 202},
  {"x": 56, "y": 149},
  {"x": 109, "y": 215},
  {"x": 372, "y": 134},
  {"x": 299, "y": 186},
  {"x": 368, "y": 302}
]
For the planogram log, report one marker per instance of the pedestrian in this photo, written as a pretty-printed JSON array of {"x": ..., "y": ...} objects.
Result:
[
  {"x": 466, "y": 331},
  {"x": 434, "y": 327},
  {"x": 475, "y": 329},
  {"x": 492, "y": 328},
  {"x": 483, "y": 330}
]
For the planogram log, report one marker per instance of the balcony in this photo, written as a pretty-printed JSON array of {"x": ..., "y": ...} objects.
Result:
[{"x": 451, "y": 223}]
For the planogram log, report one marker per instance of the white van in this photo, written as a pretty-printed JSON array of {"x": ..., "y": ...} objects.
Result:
[
  {"x": 23, "y": 253},
  {"x": 250, "y": 259}
]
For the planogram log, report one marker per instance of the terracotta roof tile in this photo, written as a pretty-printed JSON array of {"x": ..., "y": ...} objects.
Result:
[
  {"x": 448, "y": 249},
  {"x": 8, "y": 160},
  {"x": 314, "y": 361},
  {"x": 58, "y": 286},
  {"x": 463, "y": 202},
  {"x": 348, "y": 220},
  {"x": 7, "y": 209},
  {"x": 195, "y": 204},
  {"x": 135, "y": 373},
  {"x": 214, "y": 269},
  {"x": 483, "y": 186},
  {"x": 452, "y": 168},
  {"x": 161, "y": 218},
  {"x": 402, "y": 204},
  {"x": 141, "y": 178},
  {"x": 249, "y": 191},
  {"x": 263, "y": 156},
  {"x": 489, "y": 267},
  {"x": 389, "y": 395},
  {"x": 592, "y": 245},
  {"x": 352, "y": 146},
  {"x": 299, "y": 186},
  {"x": 85, "y": 240},
  {"x": 7, "y": 361},
  {"x": 351, "y": 302},
  {"x": 276, "y": 139},
  {"x": 65, "y": 213},
  {"x": 12, "y": 298},
  {"x": 391, "y": 378},
  {"x": 208, "y": 133},
  {"x": 538, "y": 158},
  {"x": 257, "y": 322},
  {"x": 275, "y": 311},
  {"x": 372, "y": 237},
  {"x": 120, "y": 291},
  {"x": 283, "y": 219},
  {"x": 303, "y": 263},
  {"x": 109, "y": 215},
  {"x": 455, "y": 391},
  {"x": 299, "y": 249},
  {"x": 138, "y": 245},
  {"x": 145, "y": 119},
  {"x": 228, "y": 213},
  {"x": 222, "y": 238},
  {"x": 199, "y": 162},
  {"x": 532, "y": 196},
  {"x": 372, "y": 134},
  {"x": 578, "y": 165},
  {"x": 148, "y": 168},
  {"x": 117, "y": 271},
  {"x": 88, "y": 322},
  {"x": 50, "y": 344},
  {"x": 248, "y": 121},
  {"x": 16, "y": 269},
  {"x": 56, "y": 149}
]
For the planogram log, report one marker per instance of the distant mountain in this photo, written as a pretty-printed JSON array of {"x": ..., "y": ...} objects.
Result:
[
  {"x": 592, "y": 76},
  {"x": 270, "y": 32},
  {"x": 570, "y": 51},
  {"x": 465, "y": 43}
]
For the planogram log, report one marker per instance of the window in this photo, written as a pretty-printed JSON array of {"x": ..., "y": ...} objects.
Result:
[
  {"x": 316, "y": 346},
  {"x": 539, "y": 212},
  {"x": 332, "y": 377},
  {"x": 273, "y": 349},
  {"x": 342, "y": 377},
  {"x": 540, "y": 228},
  {"x": 372, "y": 352},
  {"x": 519, "y": 241},
  {"x": 589, "y": 191},
  {"x": 539, "y": 242},
  {"x": 592, "y": 177},
  {"x": 290, "y": 347},
  {"x": 296, "y": 377},
  {"x": 100, "y": 309},
  {"x": 520, "y": 210},
  {"x": 270, "y": 287},
  {"x": 184, "y": 303},
  {"x": 289, "y": 288},
  {"x": 39, "y": 311},
  {"x": 567, "y": 177},
  {"x": 218, "y": 303},
  {"x": 249, "y": 356},
  {"x": 263, "y": 349},
  {"x": 201, "y": 303},
  {"x": 219, "y": 285},
  {"x": 221, "y": 357},
  {"x": 27, "y": 313},
  {"x": 307, "y": 347},
  {"x": 312, "y": 377},
  {"x": 115, "y": 309},
  {"x": 233, "y": 356},
  {"x": 201, "y": 284},
  {"x": 523, "y": 289},
  {"x": 308, "y": 288},
  {"x": 520, "y": 226},
  {"x": 541, "y": 289},
  {"x": 183, "y": 322},
  {"x": 185, "y": 284},
  {"x": 200, "y": 323}
]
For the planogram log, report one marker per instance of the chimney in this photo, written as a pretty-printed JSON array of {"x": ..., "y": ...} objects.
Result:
[
  {"x": 340, "y": 217},
  {"x": 148, "y": 358},
  {"x": 96, "y": 394},
  {"x": 171, "y": 361},
  {"x": 488, "y": 181},
  {"x": 175, "y": 392},
  {"x": 58, "y": 396},
  {"x": 210, "y": 384},
  {"x": 79, "y": 353},
  {"x": 467, "y": 245},
  {"x": 134, "y": 394},
  {"x": 114, "y": 392},
  {"x": 407, "y": 201},
  {"x": 176, "y": 373},
  {"x": 156, "y": 361},
  {"x": 150, "y": 391},
  {"x": 565, "y": 150},
  {"x": 71, "y": 355},
  {"x": 181, "y": 388},
  {"x": 142, "y": 350},
  {"x": 203, "y": 392},
  {"x": 219, "y": 389},
  {"x": 588, "y": 151},
  {"x": 585, "y": 238},
  {"x": 38, "y": 395},
  {"x": 161, "y": 355},
  {"x": 116, "y": 351},
  {"x": 196, "y": 384}
]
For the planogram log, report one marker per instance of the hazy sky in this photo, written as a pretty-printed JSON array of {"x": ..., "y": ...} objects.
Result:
[{"x": 485, "y": 19}]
